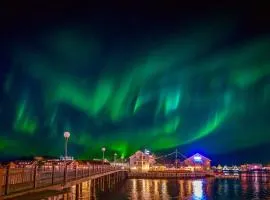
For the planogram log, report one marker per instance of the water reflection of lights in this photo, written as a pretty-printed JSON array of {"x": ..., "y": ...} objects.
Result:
[
  {"x": 226, "y": 187},
  {"x": 156, "y": 190},
  {"x": 244, "y": 184},
  {"x": 197, "y": 189},
  {"x": 181, "y": 189},
  {"x": 256, "y": 185},
  {"x": 164, "y": 190},
  {"x": 147, "y": 185},
  {"x": 145, "y": 189},
  {"x": 264, "y": 178},
  {"x": 189, "y": 188},
  {"x": 134, "y": 191},
  {"x": 143, "y": 186},
  {"x": 235, "y": 187},
  {"x": 73, "y": 190}
]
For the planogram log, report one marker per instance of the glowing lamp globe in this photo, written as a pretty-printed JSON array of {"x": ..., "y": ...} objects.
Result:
[
  {"x": 66, "y": 134},
  {"x": 103, "y": 149}
]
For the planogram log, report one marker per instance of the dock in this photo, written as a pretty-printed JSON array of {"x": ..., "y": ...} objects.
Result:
[{"x": 15, "y": 182}]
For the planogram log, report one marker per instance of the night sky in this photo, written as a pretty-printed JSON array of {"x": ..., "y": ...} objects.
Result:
[{"x": 130, "y": 77}]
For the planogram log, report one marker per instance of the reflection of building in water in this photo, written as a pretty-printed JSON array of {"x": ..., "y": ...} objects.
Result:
[
  {"x": 244, "y": 184},
  {"x": 181, "y": 189},
  {"x": 185, "y": 189},
  {"x": 156, "y": 191},
  {"x": 79, "y": 191},
  {"x": 145, "y": 189},
  {"x": 197, "y": 189},
  {"x": 208, "y": 186},
  {"x": 236, "y": 187},
  {"x": 134, "y": 191},
  {"x": 256, "y": 186},
  {"x": 164, "y": 190},
  {"x": 189, "y": 187},
  {"x": 226, "y": 187}
]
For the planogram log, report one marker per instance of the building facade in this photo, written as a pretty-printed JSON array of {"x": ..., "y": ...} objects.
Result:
[
  {"x": 252, "y": 167},
  {"x": 198, "y": 162},
  {"x": 141, "y": 161}
]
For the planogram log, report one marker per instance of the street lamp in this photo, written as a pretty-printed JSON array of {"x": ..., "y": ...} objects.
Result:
[
  {"x": 103, "y": 149},
  {"x": 66, "y": 136},
  {"x": 115, "y": 154},
  {"x": 122, "y": 159}
]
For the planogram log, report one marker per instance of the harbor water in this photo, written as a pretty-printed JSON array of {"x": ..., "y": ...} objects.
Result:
[{"x": 245, "y": 188}]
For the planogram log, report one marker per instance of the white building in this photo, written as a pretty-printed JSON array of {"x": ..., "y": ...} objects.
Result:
[{"x": 141, "y": 161}]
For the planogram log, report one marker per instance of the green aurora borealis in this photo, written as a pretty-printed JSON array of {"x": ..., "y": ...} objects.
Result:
[{"x": 201, "y": 84}]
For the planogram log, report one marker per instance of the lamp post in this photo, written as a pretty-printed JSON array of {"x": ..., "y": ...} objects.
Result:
[
  {"x": 122, "y": 159},
  {"x": 115, "y": 154},
  {"x": 103, "y": 149},
  {"x": 66, "y": 136}
]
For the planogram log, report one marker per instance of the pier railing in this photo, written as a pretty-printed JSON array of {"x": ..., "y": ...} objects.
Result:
[{"x": 14, "y": 180}]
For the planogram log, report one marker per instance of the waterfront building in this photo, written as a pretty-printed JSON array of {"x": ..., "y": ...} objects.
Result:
[
  {"x": 225, "y": 168},
  {"x": 8, "y": 164},
  {"x": 219, "y": 167},
  {"x": 243, "y": 168},
  {"x": 141, "y": 161},
  {"x": 228, "y": 170},
  {"x": 235, "y": 168},
  {"x": 251, "y": 167},
  {"x": 66, "y": 158},
  {"x": 232, "y": 168},
  {"x": 198, "y": 162},
  {"x": 254, "y": 167},
  {"x": 158, "y": 167},
  {"x": 25, "y": 163},
  {"x": 120, "y": 164},
  {"x": 267, "y": 167}
]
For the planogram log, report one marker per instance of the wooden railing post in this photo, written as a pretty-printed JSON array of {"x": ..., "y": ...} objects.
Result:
[
  {"x": 89, "y": 168},
  {"x": 76, "y": 172},
  {"x": 7, "y": 180},
  {"x": 35, "y": 176},
  {"x": 65, "y": 174},
  {"x": 53, "y": 169}
]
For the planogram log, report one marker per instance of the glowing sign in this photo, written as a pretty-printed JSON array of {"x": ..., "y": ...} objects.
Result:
[
  {"x": 197, "y": 158},
  {"x": 147, "y": 152}
]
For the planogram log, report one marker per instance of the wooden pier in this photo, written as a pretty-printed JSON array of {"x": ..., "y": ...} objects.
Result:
[{"x": 20, "y": 181}]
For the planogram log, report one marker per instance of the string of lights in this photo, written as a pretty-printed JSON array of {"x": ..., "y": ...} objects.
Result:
[{"x": 175, "y": 152}]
